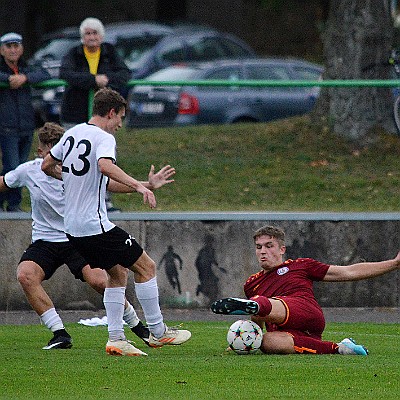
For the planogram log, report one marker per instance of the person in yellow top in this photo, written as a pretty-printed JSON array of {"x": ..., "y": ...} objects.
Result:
[{"x": 90, "y": 66}]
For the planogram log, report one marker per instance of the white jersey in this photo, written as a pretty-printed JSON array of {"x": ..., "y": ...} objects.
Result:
[
  {"x": 79, "y": 149},
  {"x": 47, "y": 200}
]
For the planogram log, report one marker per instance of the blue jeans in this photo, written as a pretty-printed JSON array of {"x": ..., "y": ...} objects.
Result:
[{"x": 15, "y": 151}]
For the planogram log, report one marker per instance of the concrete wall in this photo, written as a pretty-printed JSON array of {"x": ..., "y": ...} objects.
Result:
[{"x": 221, "y": 247}]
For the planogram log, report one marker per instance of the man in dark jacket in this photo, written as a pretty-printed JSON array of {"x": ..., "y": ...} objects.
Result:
[
  {"x": 17, "y": 118},
  {"x": 86, "y": 68}
]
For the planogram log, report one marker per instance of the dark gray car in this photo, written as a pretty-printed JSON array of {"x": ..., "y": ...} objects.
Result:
[
  {"x": 155, "y": 106},
  {"x": 145, "y": 46},
  {"x": 132, "y": 40}
]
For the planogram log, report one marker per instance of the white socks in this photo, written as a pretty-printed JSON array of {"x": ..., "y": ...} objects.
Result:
[
  {"x": 147, "y": 294},
  {"x": 52, "y": 320},
  {"x": 114, "y": 303},
  {"x": 130, "y": 316}
]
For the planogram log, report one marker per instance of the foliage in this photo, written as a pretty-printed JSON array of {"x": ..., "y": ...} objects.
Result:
[{"x": 199, "y": 369}]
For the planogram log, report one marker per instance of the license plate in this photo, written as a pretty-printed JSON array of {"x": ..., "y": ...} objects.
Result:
[{"x": 151, "y": 108}]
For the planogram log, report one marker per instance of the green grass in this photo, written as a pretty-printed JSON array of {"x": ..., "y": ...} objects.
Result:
[
  {"x": 199, "y": 369},
  {"x": 281, "y": 166}
]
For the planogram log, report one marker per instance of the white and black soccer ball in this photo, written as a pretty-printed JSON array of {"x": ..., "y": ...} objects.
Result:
[{"x": 244, "y": 337}]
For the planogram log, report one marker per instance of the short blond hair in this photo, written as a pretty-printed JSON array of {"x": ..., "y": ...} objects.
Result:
[{"x": 273, "y": 231}]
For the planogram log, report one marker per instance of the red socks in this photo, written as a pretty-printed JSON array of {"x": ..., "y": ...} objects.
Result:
[
  {"x": 264, "y": 305},
  {"x": 303, "y": 344}
]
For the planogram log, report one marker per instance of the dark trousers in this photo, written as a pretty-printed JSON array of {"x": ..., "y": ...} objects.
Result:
[{"x": 15, "y": 151}]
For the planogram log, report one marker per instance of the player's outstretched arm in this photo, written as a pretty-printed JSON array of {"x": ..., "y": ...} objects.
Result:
[
  {"x": 364, "y": 270},
  {"x": 121, "y": 182},
  {"x": 161, "y": 178},
  {"x": 156, "y": 180}
]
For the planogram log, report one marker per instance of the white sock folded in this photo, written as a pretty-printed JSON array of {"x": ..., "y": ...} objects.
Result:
[
  {"x": 52, "y": 320},
  {"x": 130, "y": 316},
  {"x": 147, "y": 294}
]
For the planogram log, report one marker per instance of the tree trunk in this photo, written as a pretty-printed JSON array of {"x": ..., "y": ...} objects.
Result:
[{"x": 357, "y": 42}]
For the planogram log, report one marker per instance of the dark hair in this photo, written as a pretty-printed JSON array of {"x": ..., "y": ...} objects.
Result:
[
  {"x": 107, "y": 99},
  {"x": 276, "y": 233},
  {"x": 50, "y": 133}
]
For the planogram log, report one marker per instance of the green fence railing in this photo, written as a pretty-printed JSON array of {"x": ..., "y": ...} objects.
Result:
[
  {"x": 383, "y": 83},
  {"x": 274, "y": 83},
  {"x": 251, "y": 83}
]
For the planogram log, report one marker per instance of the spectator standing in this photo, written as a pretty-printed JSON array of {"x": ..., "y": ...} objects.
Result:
[
  {"x": 17, "y": 118},
  {"x": 86, "y": 68}
]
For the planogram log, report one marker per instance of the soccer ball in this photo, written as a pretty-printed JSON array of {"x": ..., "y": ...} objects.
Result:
[{"x": 244, "y": 337}]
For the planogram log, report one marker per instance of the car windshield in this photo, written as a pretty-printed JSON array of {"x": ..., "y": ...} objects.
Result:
[
  {"x": 212, "y": 48},
  {"x": 308, "y": 73},
  {"x": 174, "y": 74},
  {"x": 168, "y": 74},
  {"x": 233, "y": 49},
  {"x": 134, "y": 50},
  {"x": 55, "y": 49}
]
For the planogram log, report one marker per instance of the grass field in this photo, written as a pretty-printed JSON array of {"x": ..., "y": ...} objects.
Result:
[
  {"x": 280, "y": 166},
  {"x": 199, "y": 369},
  {"x": 285, "y": 165}
]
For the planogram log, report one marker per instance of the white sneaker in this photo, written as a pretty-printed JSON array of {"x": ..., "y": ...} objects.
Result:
[
  {"x": 122, "y": 348},
  {"x": 172, "y": 336}
]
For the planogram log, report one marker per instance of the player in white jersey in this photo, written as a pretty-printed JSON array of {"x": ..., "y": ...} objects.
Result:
[
  {"x": 50, "y": 247},
  {"x": 87, "y": 153}
]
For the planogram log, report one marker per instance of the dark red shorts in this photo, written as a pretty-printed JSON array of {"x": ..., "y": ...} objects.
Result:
[{"x": 302, "y": 314}]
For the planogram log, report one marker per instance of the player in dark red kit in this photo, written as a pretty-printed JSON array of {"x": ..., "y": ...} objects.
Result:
[{"x": 281, "y": 297}]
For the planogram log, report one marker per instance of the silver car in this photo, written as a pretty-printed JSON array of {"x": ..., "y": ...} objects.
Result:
[{"x": 157, "y": 106}]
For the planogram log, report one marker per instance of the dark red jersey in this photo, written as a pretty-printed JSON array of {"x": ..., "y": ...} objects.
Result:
[{"x": 292, "y": 278}]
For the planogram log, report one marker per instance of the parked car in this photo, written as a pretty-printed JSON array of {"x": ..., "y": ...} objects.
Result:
[
  {"x": 145, "y": 46},
  {"x": 185, "y": 45},
  {"x": 124, "y": 35},
  {"x": 157, "y": 106},
  {"x": 53, "y": 47}
]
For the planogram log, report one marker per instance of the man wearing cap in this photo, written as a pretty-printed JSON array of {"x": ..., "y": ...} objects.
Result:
[{"x": 17, "y": 120}]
